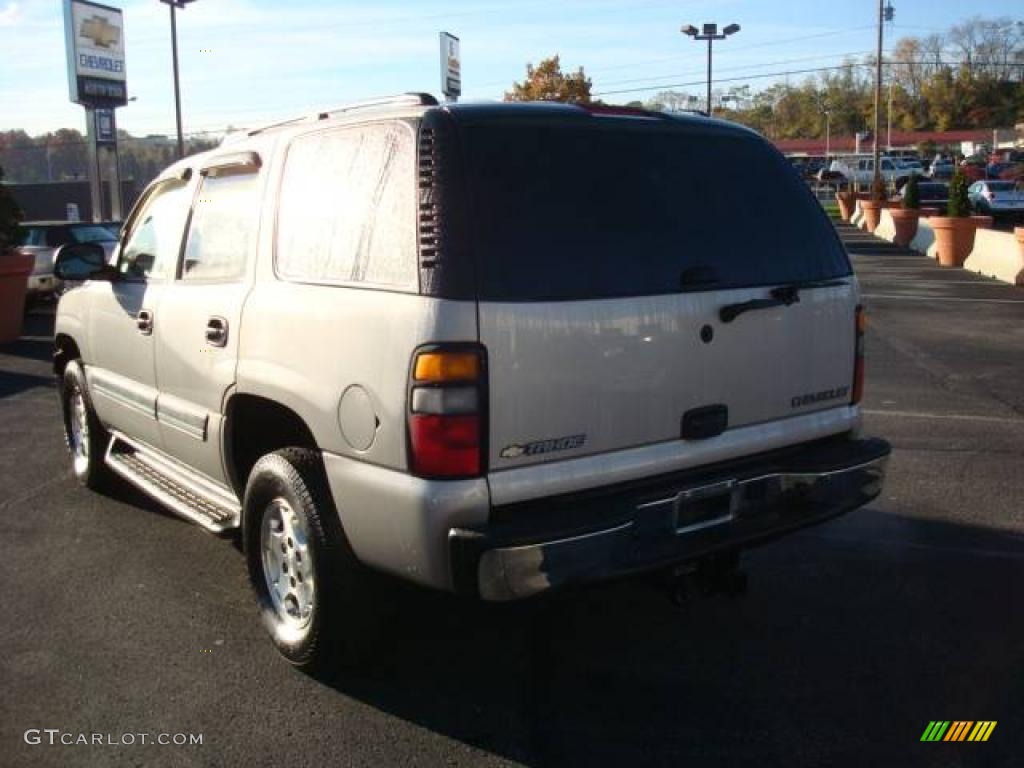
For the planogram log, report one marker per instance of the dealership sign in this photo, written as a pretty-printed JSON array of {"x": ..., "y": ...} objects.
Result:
[
  {"x": 94, "y": 37},
  {"x": 451, "y": 67}
]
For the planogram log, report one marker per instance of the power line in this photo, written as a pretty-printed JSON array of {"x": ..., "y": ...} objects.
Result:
[{"x": 785, "y": 73}]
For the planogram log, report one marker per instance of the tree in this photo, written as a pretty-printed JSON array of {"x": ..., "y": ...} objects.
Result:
[
  {"x": 10, "y": 215},
  {"x": 547, "y": 82}
]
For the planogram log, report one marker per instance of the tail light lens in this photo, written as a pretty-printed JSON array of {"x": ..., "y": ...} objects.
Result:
[
  {"x": 447, "y": 412},
  {"x": 861, "y": 324}
]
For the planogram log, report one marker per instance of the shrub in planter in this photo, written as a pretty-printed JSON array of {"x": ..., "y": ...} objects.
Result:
[
  {"x": 905, "y": 219},
  {"x": 873, "y": 206},
  {"x": 846, "y": 198},
  {"x": 954, "y": 232},
  {"x": 15, "y": 268}
]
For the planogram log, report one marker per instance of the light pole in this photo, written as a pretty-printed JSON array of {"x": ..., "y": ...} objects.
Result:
[
  {"x": 710, "y": 33},
  {"x": 173, "y": 5}
]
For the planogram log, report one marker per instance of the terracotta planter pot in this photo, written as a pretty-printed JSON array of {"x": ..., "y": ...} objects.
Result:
[
  {"x": 14, "y": 271},
  {"x": 982, "y": 222},
  {"x": 905, "y": 222},
  {"x": 954, "y": 239},
  {"x": 845, "y": 200},
  {"x": 872, "y": 213}
]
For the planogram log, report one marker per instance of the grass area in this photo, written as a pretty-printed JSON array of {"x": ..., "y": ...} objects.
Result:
[{"x": 832, "y": 209}]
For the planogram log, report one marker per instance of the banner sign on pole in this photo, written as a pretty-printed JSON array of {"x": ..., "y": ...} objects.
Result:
[
  {"x": 451, "y": 67},
  {"x": 106, "y": 128},
  {"x": 94, "y": 37}
]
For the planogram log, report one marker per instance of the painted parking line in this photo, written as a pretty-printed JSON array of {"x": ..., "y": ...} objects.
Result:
[
  {"x": 940, "y": 298},
  {"x": 1012, "y": 420}
]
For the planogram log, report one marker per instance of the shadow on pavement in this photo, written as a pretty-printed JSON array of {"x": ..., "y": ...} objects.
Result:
[{"x": 841, "y": 654}]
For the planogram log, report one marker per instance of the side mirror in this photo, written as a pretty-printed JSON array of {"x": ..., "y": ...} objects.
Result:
[{"x": 81, "y": 261}]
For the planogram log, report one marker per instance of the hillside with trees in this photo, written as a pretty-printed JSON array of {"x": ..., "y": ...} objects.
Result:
[
  {"x": 62, "y": 155},
  {"x": 970, "y": 77}
]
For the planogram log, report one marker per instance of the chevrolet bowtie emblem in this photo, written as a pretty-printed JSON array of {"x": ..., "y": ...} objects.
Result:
[{"x": 100, "y": 31}]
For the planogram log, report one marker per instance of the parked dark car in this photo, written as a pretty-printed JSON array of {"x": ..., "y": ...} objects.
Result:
[{"x": 932, "y": 194}]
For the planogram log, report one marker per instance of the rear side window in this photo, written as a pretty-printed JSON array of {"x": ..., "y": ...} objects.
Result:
[
  {"x": 347, "y": 208},
  {"x": 33, "y": 236},
  {"x": 574, "y": 212},
  {"x": 222, "y": 231}
]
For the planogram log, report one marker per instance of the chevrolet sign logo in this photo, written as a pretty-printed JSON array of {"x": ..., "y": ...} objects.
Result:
[{"x": 100, "y": 31}]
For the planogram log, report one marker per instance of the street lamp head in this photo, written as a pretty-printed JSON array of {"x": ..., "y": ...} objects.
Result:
[
  {"x": 732, "y": 29},
  {"x": 177, "y": 3},
  {"x": 710, "y": 29},
  {"x": 690, "y": 30}
]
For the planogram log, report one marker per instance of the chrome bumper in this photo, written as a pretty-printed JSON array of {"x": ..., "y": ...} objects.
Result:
[{"x": 726, "y": 510}]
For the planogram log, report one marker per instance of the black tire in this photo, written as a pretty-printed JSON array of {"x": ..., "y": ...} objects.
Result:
[
  {"x": 86, "y": 438},
  {"x": 317, "y": 642}
]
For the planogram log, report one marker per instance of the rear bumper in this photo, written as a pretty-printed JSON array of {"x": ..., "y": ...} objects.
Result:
[{"x": 664, "y": 521}]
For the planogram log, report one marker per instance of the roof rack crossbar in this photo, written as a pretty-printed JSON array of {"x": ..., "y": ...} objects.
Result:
[{"x": 399, "y": 100}]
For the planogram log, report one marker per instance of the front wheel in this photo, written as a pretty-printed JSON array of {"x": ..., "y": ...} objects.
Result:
[
  {"x": 85, "y": 436},
  {"x": 299, "y": 563}
]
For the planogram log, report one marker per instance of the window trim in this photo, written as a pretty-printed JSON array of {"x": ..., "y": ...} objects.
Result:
[{"x": 413, "y": 286}]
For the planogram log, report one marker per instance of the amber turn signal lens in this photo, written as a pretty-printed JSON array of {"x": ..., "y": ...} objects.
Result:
[{"x": 447, "y": 366}]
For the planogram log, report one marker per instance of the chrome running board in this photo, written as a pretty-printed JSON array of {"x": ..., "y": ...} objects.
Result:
[{"x": 174, "y": 485}]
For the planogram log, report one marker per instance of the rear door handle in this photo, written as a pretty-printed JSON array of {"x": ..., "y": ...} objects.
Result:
[
  {"x": 144, "y": 322},
  {"x": 217, "y": 331}
]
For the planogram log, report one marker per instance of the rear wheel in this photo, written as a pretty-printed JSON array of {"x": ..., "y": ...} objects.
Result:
[
  {"x": 85, "y": 436},
  {"x": 300, "y": 567}
]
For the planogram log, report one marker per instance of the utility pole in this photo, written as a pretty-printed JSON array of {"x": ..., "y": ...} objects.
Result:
[
  {"x": 877, "y": 178},
  {"x": 828, "y": 136}
]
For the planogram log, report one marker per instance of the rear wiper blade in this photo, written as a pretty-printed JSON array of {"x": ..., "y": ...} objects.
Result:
[
  {"x": 782, "y": 296},
  {"x": 790, "y": 292}
]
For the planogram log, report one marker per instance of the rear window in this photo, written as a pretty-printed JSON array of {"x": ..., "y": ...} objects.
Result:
[
  {"x": 1001, "y": 186},
  {"x": 572, "y": 212},
  {"x": 91, "y": 233}
]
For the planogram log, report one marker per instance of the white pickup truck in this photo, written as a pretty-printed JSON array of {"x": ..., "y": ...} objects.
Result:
[{"x": 860, "y": 169}]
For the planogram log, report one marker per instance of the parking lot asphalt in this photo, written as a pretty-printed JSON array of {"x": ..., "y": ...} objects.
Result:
[{"x": 121, "y": 619}]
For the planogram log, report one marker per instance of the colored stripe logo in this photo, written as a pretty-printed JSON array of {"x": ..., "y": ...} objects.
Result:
[{"x": 958, "y": 730}]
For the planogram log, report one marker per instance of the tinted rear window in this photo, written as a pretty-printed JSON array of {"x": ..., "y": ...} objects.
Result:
[
  {"x": 573, "y": 212},
  {"x": 91, "y": 233},
  {"x": 1001, "y": 186}
]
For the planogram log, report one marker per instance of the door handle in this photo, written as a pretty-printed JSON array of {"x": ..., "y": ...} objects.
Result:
[
  {"x": 217, "y": 331},
  {"x": 144, "y": 322}
]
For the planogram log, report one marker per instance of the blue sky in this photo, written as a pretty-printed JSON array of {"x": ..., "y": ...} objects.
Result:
[{"x": 269, "y": 60}]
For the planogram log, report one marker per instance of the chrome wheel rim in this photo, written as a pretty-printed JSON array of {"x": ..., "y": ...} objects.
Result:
[
  {"x": 79, "y": 438},
  {"x": 287, "y": 564}
]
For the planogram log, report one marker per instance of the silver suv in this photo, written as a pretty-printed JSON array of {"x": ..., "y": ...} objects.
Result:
[{"x": 491, "y": 349}]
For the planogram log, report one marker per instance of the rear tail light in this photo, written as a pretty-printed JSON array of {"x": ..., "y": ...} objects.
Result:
[
  {"x": 447, "y": 412},
  {"x": 861, "y": 325}
]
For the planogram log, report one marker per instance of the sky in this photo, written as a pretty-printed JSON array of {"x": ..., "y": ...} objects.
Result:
[{"x": 246, "y": 62}]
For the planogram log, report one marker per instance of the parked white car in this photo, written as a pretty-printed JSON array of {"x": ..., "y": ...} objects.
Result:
[{"x": 997, "y": 198}]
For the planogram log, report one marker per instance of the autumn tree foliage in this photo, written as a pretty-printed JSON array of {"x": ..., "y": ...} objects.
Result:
[{"x": 547, "y": 82}]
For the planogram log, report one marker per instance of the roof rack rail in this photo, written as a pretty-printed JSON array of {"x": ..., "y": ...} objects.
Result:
[{"x": 410, "y": 99}]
